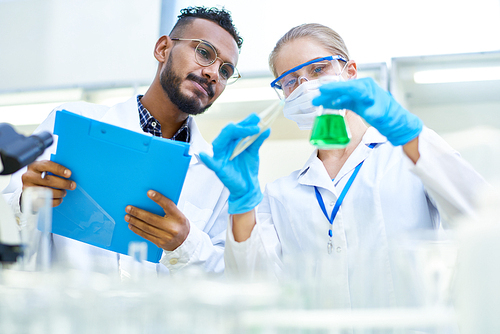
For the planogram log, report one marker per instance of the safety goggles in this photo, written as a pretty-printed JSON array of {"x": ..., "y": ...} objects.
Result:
[
  {"x": 205, "y": 55},
  {"x": 286, "y": 83}
]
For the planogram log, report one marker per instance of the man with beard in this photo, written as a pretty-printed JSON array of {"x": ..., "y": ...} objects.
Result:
[{"x": 196, "y": 62}]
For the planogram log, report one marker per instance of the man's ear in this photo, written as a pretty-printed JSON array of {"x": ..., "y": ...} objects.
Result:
[
  {"x": 162, "y": 48},
  {"x": 352, "y": 69}
]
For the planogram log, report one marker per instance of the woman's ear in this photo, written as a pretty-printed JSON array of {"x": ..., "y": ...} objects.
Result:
[
  {"x": 352, "y": 69},
  {"x": 162, "y": 48}
]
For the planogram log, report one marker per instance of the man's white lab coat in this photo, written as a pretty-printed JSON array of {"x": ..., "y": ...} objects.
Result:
[
  {"x": 203, "y": 201},
  {"x": 390, "y": 198}
]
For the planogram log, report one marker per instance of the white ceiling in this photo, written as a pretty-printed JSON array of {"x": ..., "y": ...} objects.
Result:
[
  {"x": 374, "y": 31},
  {"x": 96, "y": 44},
  {"x": 93, "y": 48}
]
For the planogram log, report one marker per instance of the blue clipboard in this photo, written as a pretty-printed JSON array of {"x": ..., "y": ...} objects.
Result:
[{"x": 113, "y": 167}]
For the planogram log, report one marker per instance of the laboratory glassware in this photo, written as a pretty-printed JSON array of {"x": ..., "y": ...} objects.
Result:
[
  {"x": 329, "y": 129},
  {"x": 36, "y": 227},
  {"x": 267, "y": 117}
]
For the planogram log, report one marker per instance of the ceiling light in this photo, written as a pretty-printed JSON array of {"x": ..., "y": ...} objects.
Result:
[{"x": 457, "y": 75}]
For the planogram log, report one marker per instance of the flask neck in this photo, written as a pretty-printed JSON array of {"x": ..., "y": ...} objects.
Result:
[{"x": 328, "y": 111}]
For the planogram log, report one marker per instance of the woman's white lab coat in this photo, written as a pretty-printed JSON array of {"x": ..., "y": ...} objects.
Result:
[
  {"x": 389, "y": 196},
  {"x": 203, "y": 201}
]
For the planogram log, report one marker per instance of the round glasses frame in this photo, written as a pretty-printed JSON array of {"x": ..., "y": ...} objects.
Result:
[
  {"x": 228, "y": 73},
  {"x": 277, "y": 86}
]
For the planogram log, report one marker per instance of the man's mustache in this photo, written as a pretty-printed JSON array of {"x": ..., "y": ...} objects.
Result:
[{"x": 203, "y": 82}]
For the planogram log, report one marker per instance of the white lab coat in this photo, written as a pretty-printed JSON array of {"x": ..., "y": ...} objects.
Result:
[
  {"x": 389, "y": 196},
  {"x": 203, "y": 201}
]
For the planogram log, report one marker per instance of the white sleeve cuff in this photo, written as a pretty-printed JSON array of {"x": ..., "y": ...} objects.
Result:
[
  {"x": 248, "y": 260},
  {"x": 182, "y": 255}
]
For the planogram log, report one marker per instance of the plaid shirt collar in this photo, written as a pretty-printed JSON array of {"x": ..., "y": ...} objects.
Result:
[{"x": 150, "y": 125}]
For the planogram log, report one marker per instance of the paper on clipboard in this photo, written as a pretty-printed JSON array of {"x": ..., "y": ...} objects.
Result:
[{"x": 113, "y": 167}]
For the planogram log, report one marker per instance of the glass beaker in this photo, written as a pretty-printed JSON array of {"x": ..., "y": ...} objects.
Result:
[{"x": 330, "y": 130}]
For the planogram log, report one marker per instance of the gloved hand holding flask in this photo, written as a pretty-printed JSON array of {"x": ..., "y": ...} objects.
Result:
[
  {"x": 239, "y": 175},
  {"x": 376, "y": 106}
]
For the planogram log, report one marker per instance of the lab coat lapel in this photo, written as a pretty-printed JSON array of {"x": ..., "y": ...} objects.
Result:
[
  {"x": 314, "y": 174},
  {"x": 362, "y": 151},
  {"x": 359, "y": 155},
  {"x": 124, "y": 115},
  {"x": 197, "y": 143}
]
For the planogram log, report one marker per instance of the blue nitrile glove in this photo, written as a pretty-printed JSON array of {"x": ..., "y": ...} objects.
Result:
[
  {"x": 239, "y": 175},
  {"x": 377, "y": 107}
]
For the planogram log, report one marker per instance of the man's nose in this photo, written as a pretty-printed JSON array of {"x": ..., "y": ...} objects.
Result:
[{"x": 211, "y": 72}]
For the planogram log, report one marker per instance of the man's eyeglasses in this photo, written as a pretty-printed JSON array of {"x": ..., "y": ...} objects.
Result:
[
  {"x": 313, "y": 69},
  {"x": 205, "y": 55}
]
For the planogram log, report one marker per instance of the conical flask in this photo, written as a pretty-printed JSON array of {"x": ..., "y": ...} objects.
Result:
[{"x": 330, "y": 130}]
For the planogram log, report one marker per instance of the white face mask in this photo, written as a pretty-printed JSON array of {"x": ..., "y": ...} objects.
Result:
[{"x": 298, "y": 105}]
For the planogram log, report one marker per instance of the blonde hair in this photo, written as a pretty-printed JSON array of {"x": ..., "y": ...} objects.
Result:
[{"x": 327, "y": 37}]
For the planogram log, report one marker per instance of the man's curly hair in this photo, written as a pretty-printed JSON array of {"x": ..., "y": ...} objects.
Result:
[{"x": 220, "y": 16}]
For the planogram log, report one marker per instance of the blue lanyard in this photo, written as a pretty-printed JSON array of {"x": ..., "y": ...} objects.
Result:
[{"x": 338, "y": 202}]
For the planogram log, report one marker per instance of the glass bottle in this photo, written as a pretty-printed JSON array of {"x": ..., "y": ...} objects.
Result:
[{"x": 330, "y": 130}]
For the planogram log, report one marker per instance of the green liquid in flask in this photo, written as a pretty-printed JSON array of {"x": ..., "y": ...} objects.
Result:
[{"x": 330, "y": 132}]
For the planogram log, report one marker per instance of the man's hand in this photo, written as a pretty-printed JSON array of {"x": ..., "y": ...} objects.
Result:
[
  {"x": 37, "y": 176},
  {"x": 167, "y": 232}
]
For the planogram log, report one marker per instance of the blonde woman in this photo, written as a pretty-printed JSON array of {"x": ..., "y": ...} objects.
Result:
[{"x": 395, "y": 175}]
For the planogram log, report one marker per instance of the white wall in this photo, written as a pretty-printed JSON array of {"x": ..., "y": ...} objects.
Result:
[
  {"x": 374, "y": 31},
  {"x": 280, "y": 157},
  {"x": 67, "y": 43},
  {"x": 471, "y": 129},
  {"x": 46, "y": 43},
  {"x": 72, "y": 43}
]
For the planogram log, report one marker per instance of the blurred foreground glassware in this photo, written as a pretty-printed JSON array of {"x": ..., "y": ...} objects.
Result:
[
  {"x": 36, "y": 227},
  {"x": 138, "y": 251}
]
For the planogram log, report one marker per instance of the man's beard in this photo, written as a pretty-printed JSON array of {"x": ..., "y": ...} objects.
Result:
[{"x": 171, "y": 84}]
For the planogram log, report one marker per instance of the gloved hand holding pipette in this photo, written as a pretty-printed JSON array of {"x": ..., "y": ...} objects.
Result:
[
  {"x": 374, "y": 105},
  {"x": 239, "y": 175}
]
